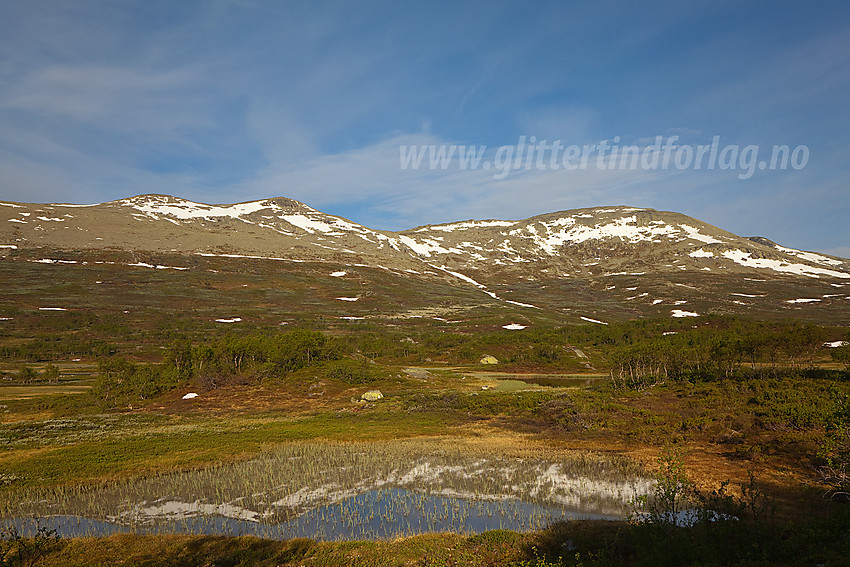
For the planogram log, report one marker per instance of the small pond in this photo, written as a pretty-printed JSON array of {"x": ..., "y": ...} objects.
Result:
[
  {"x": 551, "y": 380},
  {"x": 344, "y": 492}
]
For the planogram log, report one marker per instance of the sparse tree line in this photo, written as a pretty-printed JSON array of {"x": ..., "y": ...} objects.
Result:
[
  {"x": 56, "y": 346},
  {"x": 709, "y": 346},
  {"x": 28, "y": 375},
  {"x": 250, "y": 358},
  {"x": 713, "y": 352},
  {"x": 231, "y": 360},
  {"x": 637, "y": 353}
]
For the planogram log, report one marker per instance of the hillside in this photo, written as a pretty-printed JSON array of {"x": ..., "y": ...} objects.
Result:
[{"x": 585, "y": 265}]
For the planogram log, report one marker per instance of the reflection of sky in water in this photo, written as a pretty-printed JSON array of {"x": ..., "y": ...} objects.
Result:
[
  {"x": 349, "y": 492},
  {"x": 370, "y": 515}
]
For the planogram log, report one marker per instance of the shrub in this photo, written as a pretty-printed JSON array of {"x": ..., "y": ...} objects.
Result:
[
  {"x": 26, "y": 375},
  {"x": 350, "y": 371},
  {"x": 121, "y": 382}
]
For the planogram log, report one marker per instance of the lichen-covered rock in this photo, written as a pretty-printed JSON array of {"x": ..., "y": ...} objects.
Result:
[{"x": 372, "y": 396}]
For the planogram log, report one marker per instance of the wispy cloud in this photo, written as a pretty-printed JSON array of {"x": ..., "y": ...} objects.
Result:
[{"x": 129, "y": 97}]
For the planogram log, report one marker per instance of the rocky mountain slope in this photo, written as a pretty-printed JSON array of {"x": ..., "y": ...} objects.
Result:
[{"x": 622, "y": 261}]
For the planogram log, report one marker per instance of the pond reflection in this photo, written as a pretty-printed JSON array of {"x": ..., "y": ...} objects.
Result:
[{"x": 350, "y": 491}]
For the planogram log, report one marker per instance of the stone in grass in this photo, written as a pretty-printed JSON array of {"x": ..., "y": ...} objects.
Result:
[
  {"x": 488, "y": 359},
  {"x": 372, "y": 396}
]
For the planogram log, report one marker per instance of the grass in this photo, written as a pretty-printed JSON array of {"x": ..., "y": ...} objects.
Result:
[
  {"x": 772, "y": 425},
  {"x": 728, "y": 428},
  {"x": 21, "y": 392},
  {"x": 819, "y": 541},
  {"x": 769, "y": 426},
  {"x": 143, "y": 444},
  {"x": 162, "y": 551}
]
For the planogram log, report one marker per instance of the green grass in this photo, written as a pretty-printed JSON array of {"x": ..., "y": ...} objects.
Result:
[{"x": 148, "y": 444}]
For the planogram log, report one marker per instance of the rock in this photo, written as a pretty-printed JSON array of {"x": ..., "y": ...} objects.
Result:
[
  {"x": 372, "y": 396},
  {"x": 488, "y": 359}
]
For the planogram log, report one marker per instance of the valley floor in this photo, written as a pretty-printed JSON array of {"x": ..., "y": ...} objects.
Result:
[
  {"x": 741, "y": 416},
  {"x": 725, "y": 430}
]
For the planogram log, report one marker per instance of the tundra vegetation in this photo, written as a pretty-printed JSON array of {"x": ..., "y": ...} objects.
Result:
[{"x": 739, "y": 430}]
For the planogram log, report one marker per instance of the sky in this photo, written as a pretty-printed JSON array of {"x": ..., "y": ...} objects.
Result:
[{"x": 224, "y": 101}]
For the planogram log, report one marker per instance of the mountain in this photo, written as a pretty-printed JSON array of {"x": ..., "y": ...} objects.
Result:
[{"x": 592, "y": 264}]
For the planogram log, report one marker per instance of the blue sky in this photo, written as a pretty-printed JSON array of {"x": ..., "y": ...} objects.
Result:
[{"x": 227, "y": 101}]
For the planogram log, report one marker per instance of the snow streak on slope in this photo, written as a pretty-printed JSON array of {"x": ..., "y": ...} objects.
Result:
[
  {"x": 483, "y": 288},
  {"x": 465, "y": 225},
  {"x": 810, "y": 256},
  {"x": 746, "y": 259}
]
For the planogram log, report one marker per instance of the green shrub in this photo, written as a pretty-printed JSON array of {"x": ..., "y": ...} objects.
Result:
[
  {"x": 121, "y": 382},
  {"x": 350, "y": 371}
]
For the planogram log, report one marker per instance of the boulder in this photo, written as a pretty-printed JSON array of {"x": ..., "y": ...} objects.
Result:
[{"x": 372, "y": 396}]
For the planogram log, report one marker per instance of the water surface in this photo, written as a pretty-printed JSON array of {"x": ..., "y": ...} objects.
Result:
[{"x": 350, "y": 491}]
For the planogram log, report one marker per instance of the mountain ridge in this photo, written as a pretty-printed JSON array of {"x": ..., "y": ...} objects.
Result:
[
  {"x": 542, "y": 262},
  {"x": 610, "y": 231}
]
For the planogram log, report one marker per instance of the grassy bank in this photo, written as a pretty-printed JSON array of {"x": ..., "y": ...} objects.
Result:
[{"x": 747, "y": 542}]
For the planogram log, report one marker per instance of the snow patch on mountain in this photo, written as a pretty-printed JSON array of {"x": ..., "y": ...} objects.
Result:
[
  {"x": 695, "y": 234},
  {"x": 426, "y": 246},
  {"x": 155, "y": 266},
  {"x": 701, "y": 254},
  {"x": 52, "y": 261},
  {"x": 683, "y": 313},
  {"x": 155, "y": 205},
  {"x": 519, "y": 303},
  {"x": 746, "y": 259},
  {"x": 625, "y": 274},
  {"x": 589, "y": 320},
  {"x": 311, "y": 221},
  {"x": 810, "y": 256},
  {"x": 551, "y": 235},
  {"x": 466, "y": 225}
]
